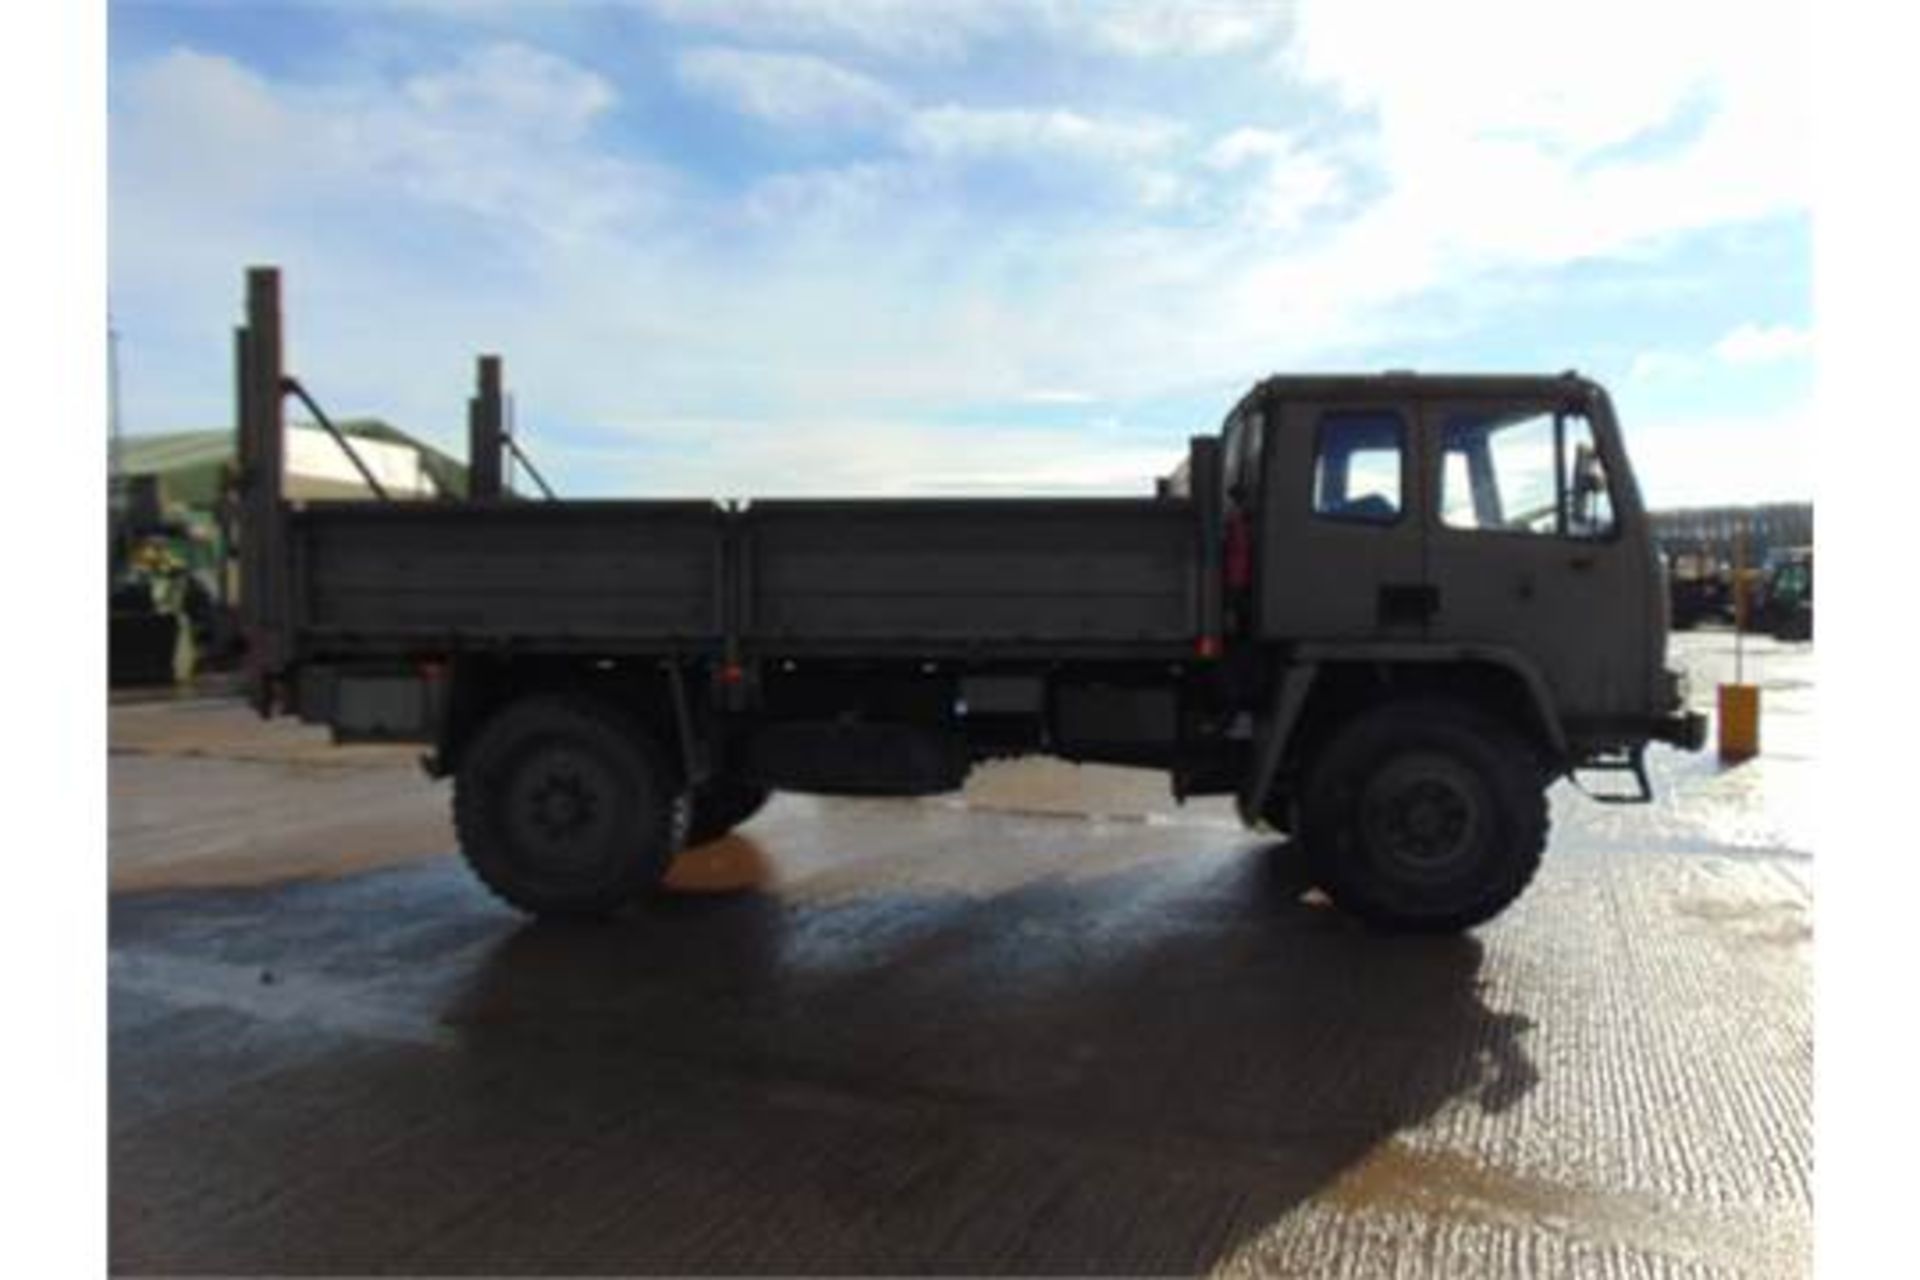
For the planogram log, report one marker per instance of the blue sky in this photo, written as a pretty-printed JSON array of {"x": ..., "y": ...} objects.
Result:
[{"x": 742, "y": 247}]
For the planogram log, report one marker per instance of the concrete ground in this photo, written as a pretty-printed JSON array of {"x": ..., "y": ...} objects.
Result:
[{"x": 1054, "y": 1025}]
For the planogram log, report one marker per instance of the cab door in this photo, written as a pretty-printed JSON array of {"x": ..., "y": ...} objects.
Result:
[
  {"x": 1525, "y": 549},
  {"x": 1342, "y": 523}
]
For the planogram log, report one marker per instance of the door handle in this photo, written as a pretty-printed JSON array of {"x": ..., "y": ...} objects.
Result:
[
  {"x": 1404, "y": 603},
  {"x": 1580, "y": 562}
]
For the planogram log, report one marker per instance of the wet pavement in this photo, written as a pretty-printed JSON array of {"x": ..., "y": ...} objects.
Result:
[{"x": 1054, "y": 1025}]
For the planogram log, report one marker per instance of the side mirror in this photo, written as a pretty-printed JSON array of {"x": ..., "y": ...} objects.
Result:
[
  {"x": 1587, "y": 476},
  {"x": 1589, "y": 481}
]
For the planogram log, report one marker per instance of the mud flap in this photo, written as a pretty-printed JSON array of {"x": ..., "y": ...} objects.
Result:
[{"x": 1287, "y": 702}]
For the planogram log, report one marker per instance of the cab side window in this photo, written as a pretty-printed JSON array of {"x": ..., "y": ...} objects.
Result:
[
  {"x": 1531, "y": 471},
  {"x": 1359, "y": 456}
]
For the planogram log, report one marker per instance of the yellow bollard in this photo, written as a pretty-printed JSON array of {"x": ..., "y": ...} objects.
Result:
[
  {"x": 1739, "y": 719},
  {"x": 1739, "y": 722}
]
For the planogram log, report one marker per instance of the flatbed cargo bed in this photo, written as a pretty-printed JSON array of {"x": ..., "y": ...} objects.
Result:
[{"x": 838, "y": 577}]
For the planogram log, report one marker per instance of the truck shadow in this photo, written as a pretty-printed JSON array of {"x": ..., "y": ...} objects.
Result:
[{"x": 1136, "y": 1070}]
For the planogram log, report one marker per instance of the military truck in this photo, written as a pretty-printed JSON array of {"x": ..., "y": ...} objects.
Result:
[
  {"x": 164, "y": 623},
  {"x": 1384, "y": 613},
  {"x": 1784, "y": 609},
  {"x": 1698, "y": 590}
]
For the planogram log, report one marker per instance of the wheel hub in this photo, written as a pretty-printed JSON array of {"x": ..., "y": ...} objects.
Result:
[
  {"x": 1423, "y": 814},
  {"x": 562, "y": 806},
  {"x": 557, "y": 803}
]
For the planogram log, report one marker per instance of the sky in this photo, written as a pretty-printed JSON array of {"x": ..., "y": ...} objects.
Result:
[{"x": 785, "y": 247}]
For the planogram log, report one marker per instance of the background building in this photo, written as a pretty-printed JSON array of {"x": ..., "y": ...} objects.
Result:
[
  {"x": 173, "y": 568},
  {"x": 1716, "y": 532},
  {"x": 189, "y": 465}
]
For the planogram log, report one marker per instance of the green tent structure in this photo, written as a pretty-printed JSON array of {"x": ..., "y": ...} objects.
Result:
[
  {"x": 188, "y": 465},
  {"x": 174, "y": 577}
]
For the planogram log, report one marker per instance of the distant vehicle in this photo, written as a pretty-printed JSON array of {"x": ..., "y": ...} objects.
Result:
[
  {"x": 1699, "y": 589},
  {"x": 163, "y": 622},
  {"x": 1383, "y": 612},
  {"x": 1785, "y": 608}
]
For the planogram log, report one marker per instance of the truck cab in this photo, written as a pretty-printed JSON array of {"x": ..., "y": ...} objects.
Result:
[{"x": 1470, "y": 522}]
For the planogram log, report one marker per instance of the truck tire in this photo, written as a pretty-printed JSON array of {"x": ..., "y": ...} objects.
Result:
[
  {"x": 1425, "y": 816},
  {"x": 564, "y": 807},
  {"x": 720, "y": 806}
]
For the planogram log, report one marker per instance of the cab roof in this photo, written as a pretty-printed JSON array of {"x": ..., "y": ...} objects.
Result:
[{"x": 1345, "y": 386}]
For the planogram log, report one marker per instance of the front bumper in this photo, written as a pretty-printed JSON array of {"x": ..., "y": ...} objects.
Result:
[
  {"x": 1680, "y": 727},
  {"x": 1684, "y": 729}
]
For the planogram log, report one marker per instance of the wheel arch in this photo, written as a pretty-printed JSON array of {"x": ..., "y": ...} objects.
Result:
[
  {"x": 653, "y": 692},
  {"x": 1491, "y": 677},
  {"x": 1327, "y": 686}
]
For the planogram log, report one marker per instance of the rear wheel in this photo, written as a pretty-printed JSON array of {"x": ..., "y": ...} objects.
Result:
[
  {"x": 564, "y": 807},
  {"x": 720, "y": 805},
  {"x": 1425, "y": 816}
]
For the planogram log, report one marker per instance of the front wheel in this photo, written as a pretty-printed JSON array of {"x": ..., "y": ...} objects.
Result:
[
  {"x": 1425, "y": 816},
  {"x": 564, "y": 807}
]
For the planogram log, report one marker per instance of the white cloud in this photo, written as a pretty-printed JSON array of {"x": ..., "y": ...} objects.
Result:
[
  {"x": 372, "y": 195},
  {"x": 1288, "y": 182},
  {"x": 502, "y": 133},
  {"x": 950, "y": 29},
  {"x": 516, "y": 87},
  {"x": 919, "y": 28},
  {"x": 1057, "y": 396},
  {"x": 1246, "y": 145},
  {"x": 1573, "y": 77},
  {"x": 975, "y": 131},
  {"x": 1707, "y": 460},
  {"x": 824, "y": 455},
  {"x": 479, "y": 204},
  {"x": 1540, "y": 150},
  {"x": 1652, "y": 366},
  {"x": 1746, "y": 344},
  {"x": 1763, "y": 343},
  {"x": 839, "y": 198},
  {"x": 786, "y": 88},
  {"x": 1153, "y": 28},
  {"x": 217, "y": 122}
]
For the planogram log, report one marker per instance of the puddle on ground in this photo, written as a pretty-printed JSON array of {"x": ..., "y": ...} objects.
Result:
[{"x": 1395, "y": 1177}]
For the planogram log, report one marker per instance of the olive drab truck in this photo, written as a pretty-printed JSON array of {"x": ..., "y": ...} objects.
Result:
[{"x": 1384, "y": 613}]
